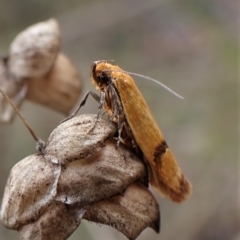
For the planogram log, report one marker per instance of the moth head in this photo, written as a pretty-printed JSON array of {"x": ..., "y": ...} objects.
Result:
[{"x": 101, "y": 74}]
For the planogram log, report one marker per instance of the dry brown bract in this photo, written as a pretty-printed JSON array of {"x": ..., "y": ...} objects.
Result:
[
  {"x": 35, "y": 69},
  {"x": 80, "y": 175}
]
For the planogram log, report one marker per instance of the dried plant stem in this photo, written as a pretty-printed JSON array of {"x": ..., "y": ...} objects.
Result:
[{"x": 40, "y": 142}]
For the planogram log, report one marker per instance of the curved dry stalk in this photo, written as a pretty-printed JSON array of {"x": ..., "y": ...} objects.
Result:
[{"x": 40, "y": 143}]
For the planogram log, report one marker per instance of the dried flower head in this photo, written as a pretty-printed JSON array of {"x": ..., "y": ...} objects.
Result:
[{"x": 80, "y": 175}]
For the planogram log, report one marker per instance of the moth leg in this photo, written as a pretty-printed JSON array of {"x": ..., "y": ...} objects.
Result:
[
  {"x": 129, "y": 133},
  {"x": 104, "y": 112},
  {"x": 117, "y": 115},
  {"x": 101, "y": 101},
  {"x": 114, "y": 114},
  {"x": 120, "y": 127},
  {"x": 83, "y": 102}
]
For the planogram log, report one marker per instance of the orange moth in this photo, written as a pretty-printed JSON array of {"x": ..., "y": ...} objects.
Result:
[{"x": 124, "y": 102}]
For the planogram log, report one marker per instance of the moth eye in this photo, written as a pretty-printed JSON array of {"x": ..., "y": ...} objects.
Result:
[{"x": 103, "y": 78}]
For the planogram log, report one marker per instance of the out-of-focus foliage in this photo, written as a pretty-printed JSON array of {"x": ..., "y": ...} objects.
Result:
[{"x": 189, "y": 45}]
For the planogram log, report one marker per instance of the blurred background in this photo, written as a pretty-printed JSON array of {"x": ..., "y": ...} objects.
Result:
[{"x": 192, "y": 47}]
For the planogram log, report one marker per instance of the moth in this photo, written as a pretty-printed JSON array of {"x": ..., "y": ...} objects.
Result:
[{"x": 124, "y": 103}]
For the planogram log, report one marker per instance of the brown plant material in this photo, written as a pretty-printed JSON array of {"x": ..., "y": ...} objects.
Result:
[
  {"x": 16, "y": 90},
  {"x": 59, "y": 89},
  {"x": 77, "y": 139},
  {"x": 33, "y": 52},
  {"x": 130, "y": 213},
  {"x": 30, "y": 188},
  {"x": 104, "y": 174},
  {"x": 35, "y": 69},
  {"x": 57, "y": 222},
  {"x": 81, "y": 170}
]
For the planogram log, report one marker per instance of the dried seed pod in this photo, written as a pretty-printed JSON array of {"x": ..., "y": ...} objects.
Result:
[
  {"x": 30, "y": 188},
  {"x": 32, "y": 183},
  {"x": 58, "y": 222},
  {"x": 130, "y": 213},
  {"x": 35, "y": 69},
  {"x": 33, "y": 52},
  {"x": 46, "y": 195},
  {"x": 16, "y": 90},
  {"x": 60, "y": 89},
  {"x": 104, "y": 174},
  {"x": 77, "y": 138}
]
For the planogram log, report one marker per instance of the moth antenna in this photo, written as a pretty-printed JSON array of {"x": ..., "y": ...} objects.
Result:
[
  {"x": 150, "y": 79},
  {"x": 40, "y": 143},
  {"x": 98, "y": 61}
]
